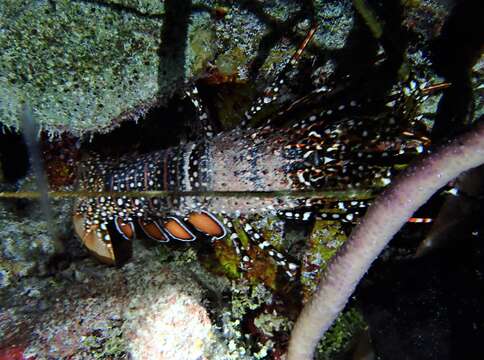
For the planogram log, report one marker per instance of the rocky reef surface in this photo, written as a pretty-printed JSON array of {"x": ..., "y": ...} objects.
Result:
[
  {"x": 84, "y": 66},
  {"x": 146, "y": 309}
]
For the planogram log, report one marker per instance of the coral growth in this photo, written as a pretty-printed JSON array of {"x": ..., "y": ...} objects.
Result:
[
  {"x": 27, "y": 245},
  {"x": 85, "y": 65}
]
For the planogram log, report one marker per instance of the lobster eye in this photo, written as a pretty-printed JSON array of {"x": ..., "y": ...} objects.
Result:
[
  {"x": 153, "y": 230},
  {"x": 178, "y": 230},
  {"x": 207, "y": 224}
]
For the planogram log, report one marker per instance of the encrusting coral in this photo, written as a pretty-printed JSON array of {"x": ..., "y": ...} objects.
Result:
[{"x": 85, "y": 66}]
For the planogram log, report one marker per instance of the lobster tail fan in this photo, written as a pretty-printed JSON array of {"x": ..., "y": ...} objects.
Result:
[
  {"x": 102, "y": 243},
  {"x": 97, "y": 241}
]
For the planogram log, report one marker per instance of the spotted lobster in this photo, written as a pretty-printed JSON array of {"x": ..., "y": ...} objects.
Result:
[{"x": 334, "y": 148}]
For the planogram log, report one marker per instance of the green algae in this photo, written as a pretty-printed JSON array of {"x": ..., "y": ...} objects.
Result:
[
  {"x": 202, "y": 44},
  {"x": 228, "y": 261},
  {"x": 325, "y": 240},
  {"x": 227, "y": 63},
  {"x": 341, "y": 334},
  {"x": 112, "y": 347},
  {"x": 370, "y": 18}
]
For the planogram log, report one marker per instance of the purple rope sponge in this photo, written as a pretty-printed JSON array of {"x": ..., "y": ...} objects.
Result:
[{"x": 390, "y": 211}]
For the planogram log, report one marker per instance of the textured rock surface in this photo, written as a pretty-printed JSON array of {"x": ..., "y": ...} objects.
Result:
[
  {"x": 144, "y": 310},
  {"x": 84, "y": 66},
  {"x": 27, "y": 244},
  {"x": 79, "y": 64}
]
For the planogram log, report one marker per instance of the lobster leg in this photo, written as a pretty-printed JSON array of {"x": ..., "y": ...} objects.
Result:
[
  {"x": 201, "y": 111},
  {"x": 283, "y": 260},
  {"x": 240, "y": 248},
  {"x": 271, "y": 93}
]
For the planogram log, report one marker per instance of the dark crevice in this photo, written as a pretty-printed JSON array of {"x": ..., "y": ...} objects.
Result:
[
  {"x": 366, "y": 76},
  {"x": 174, "y": 38},
  {"x": 14, "y": 157},
  {"x": 454, "y": 52},
  {"x": 277, "y": 30},
  {"x": 426, "y": 308},
  {"x": 161, "y": 127}
]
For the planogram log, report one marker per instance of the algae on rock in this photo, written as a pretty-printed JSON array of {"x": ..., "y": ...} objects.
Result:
[
  {"x": 26, "y": 245},
  {"x": 80, "y": 65},
  {"x": 84, "y": 66}
]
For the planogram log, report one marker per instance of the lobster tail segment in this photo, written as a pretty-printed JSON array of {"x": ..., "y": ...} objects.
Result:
[
  {"x": 178, "y": 230},
  {"x": 125, "y": 229},
  {"x": 153, "y": 230},
  {"x": 207, "y": 224}
]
